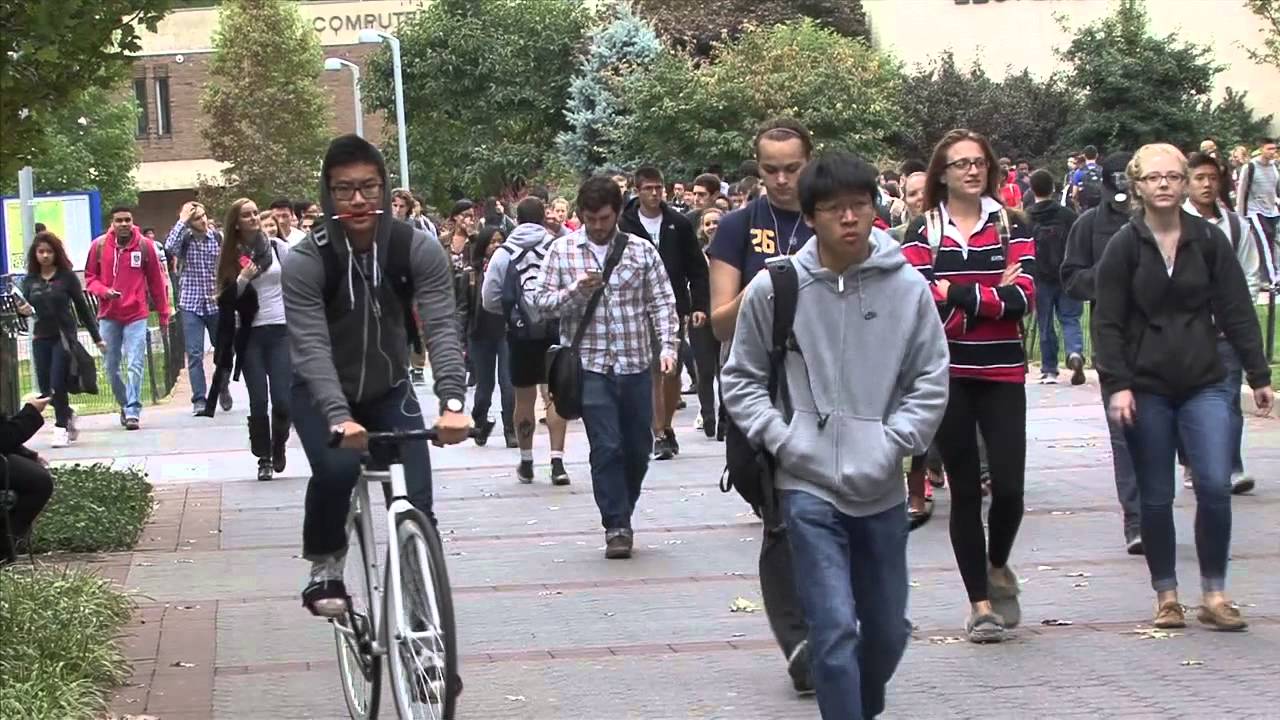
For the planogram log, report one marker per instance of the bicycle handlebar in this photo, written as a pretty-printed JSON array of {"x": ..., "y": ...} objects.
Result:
[{"x": 396, "y": 437}]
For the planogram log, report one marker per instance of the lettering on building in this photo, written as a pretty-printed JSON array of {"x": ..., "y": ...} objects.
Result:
[{"x": 355, "y": 22}]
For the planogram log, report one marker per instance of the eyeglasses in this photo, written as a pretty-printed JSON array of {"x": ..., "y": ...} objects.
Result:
[
  {"x": 371, "y": 190},
  {"x": 1173, "y": 178},
  {"x": 963, "y": 164},
  {"x": 839, "y": 209}
]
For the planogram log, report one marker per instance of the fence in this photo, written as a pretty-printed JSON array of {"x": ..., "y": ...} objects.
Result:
[{"x": 162, "y": 364}]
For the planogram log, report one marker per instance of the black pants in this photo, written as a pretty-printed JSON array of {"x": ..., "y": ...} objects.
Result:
[
  {"x": 52, "y": 365},
  {"x": 32, "y": 485},
  {"x": 999, "y": 412},
  {"x": 778, "y": 583},
  {"x": 706, "y": 355}
]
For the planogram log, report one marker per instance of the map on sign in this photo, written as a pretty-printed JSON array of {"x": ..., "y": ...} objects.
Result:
[{"x": 71, "y": 216}]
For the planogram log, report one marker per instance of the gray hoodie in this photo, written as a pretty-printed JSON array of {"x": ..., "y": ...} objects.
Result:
[
  {"x": 869, "y": 389},
  {"x": 526, "y": 236},
  {"x": 355, "y": 349}
]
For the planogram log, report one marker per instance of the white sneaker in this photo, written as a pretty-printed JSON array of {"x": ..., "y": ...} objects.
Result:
[
  {"x": 1188, "y": 478},
  {"x": 73, "y": 431},
  {"x": 60, "y": 439},
  {"x": 1047, "y": 379},
  {"x": 697, "y": 423}
]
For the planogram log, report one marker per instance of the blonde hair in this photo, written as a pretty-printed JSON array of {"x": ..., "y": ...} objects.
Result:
[{"x": 1136, "y": 167}]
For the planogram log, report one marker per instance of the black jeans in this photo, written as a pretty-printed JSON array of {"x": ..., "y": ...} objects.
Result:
[
  {"x": 778, "y": 583},
  {"x": 706, "y": 355},
  {"x": 33, "y": 485},
  {"x": 267, "y": 373},
  {"x": 52, "y": 364},
  {"x": 999, "y": 412}
]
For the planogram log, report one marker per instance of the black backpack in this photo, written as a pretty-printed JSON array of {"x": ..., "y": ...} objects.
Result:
[
  {"x": 397, "y": 271},
  {"x": 521, "y": 322},
  {"x": 750, "y": 469},
  {"x": 1090, "y": 187}
]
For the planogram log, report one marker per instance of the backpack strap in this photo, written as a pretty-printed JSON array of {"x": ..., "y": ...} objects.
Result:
[
  {"x": 1002, "y": 229},
  {"x": 933, "y": 231},
  {"x": 786, "y": 296},
  {"x": 397, "y": 270},
  {"x": 1237, "y": 229}
]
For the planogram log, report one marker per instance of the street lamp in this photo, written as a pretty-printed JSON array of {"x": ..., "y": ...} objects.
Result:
[
  {"x": 337, "y": 64},
  {"x": 375, "y": 36}
]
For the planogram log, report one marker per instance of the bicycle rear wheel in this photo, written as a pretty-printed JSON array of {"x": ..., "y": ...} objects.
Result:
[
  {"x": 422, "y": 649},
  {"x": 360, "y": 669}
]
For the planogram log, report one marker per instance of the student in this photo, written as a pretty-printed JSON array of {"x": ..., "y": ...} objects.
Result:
[
  {"x": 1051, "y": 223},
  {"x": 840, "y": 449}
]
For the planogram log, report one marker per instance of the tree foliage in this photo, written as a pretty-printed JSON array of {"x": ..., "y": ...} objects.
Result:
[
  {"x": 89, "y": 146},
  {"x": 684, "y": 115},
  {"x": 50, "y": 53},
  {"x": 267, "y": 114},
  {"x": 485, "y": 86},
  {"x": 624, "y": 45},
  {"x": 697, "y": 26},
  {"x": 1269, "y": 12},
  {"x": 1232, "y": 122}
]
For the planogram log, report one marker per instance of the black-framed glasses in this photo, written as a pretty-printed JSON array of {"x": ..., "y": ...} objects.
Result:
[
  {"x": 1173, "y": 178},
  {"x": 963, "y": 164},
  {"x": 371, "y": 190}
]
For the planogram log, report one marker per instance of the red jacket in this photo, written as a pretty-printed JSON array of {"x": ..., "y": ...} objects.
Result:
[{"x": 134, "y": 270}]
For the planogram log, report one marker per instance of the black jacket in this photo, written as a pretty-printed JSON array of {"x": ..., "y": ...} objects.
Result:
[
  {"x": 16, "y": 430},
  {"x": 1050, "y": 224},
  {"x": 686, "y": 265},
  {"x": 1088, "y": 238},
  {"x": 57, "y": 301},
  {"x": 1157, "y": 333}
]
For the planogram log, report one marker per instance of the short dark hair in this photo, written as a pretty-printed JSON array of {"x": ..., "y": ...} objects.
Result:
[
  {"x": 145, "y": 230},
  {"x": 1090, "y": 152},
  {"x": 281, "y": 204},
  {"x": 912, "y": 166},
  {"x": 531, "y": 210},
  {"x": 835, "y": 173},
  {"x": 599, "y": 192},
  {"x": 650, "y": 173},
  {"x": 749, "y": 168},
  {"x": 891, "y": 176},
  {"x": 119, "y": 209},
  {"x": 541, "y": 193},
  {"x": 462, "y": 206},
  {"x": 1266, "y": 141},
  {"x": 1042, "y": 183},
  {"x": 784, "y": 128},
  {"x": 300, "y": 208},
  {"x": 1199, "y": 159},
  {"x": 708, "y": 182},
  {"x": 40, "y": 227}
]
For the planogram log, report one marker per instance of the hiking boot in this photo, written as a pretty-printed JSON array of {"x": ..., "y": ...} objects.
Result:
[
  {"x": 524, "y": 472},
  {"x": 484, "y": 429},
  {"x": 1075, "y": 361},
  {"x": 1169, "y": 616},
  {"x": 559, "y": 476},
  {"x": 985, "y": 628},
  {"x": 1224, "y": 616},
  {"x": 1003, "y": 587},
  {"x": 1241, "y": 484},
  {"x": 617, "y": 543},
  {"x": 279, "y": 440},
  {"x": 798, "y": 669}
]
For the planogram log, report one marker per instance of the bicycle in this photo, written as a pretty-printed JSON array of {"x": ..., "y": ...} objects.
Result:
[{"x": 408, "y": 616}]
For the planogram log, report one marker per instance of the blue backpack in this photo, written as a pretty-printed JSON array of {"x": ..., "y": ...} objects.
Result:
[{"x": 523, "y": 322}]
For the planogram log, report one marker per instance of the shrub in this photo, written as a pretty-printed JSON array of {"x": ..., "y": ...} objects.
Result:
[
  {"x": 95, "y": 508},
  {"x": 59, "y": 654}
]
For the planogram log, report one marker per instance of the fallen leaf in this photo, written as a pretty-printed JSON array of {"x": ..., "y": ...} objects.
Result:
[
  {"x": 185, "y": 561},
  {"x": 944, "y": 639},
  {"x": 743, "y": 605},
  {"x": 549, "y": 593},
  {"x": 675, "y": 542},
  {"x": 1154, "y": 634},
  {"x": 610, "y": 614},
  {"x": 558, "y": 560},
  {"x": 553, "y": 507},
  {"x": 1192, "y": 663},
  {"x": 1056, "y": 622},
  {"x": 515, "y": 698},
  {"x": 738, "y": 635},
  {"x": 547, "y": 543},
  {"x": 145, "y": 564},
  {"x": 1062, "y": 512},
  {"x": 1045, "y": 567},
  {"x": 1079, "y": 574},
  {"x": 746, "y": 539},
  {"x": 531, "y": 522},
  {"x": 181, "y": 664},
  {"x": 188, "y": 607},
  {"x": 1081, "y": 584}
]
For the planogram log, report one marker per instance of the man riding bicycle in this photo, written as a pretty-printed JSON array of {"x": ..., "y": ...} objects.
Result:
[{"x": 346, "y": 287}]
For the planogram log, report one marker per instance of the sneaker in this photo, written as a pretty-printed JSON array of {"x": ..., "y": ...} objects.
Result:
[
  {"x": 798, "y": 669},
  {"x": 1189, "y": 479},
  {"x": 662, "y": 449},
  {"x": 326, "y": 594},
  {"x": 1170, "y": 615},
  {"x": 197, "y": 410},
  {"x": 524, "y": 472},
  {"x": 985, "y": 628},
  {"x": 1241, "y": 484},
  {"x": 698, "y": 423},
  {"x": 60, "y": 438},
  {"x": 1075, "y": 361},
  {"x": 617, "y": 543},
  {"x": 559, "y": 476},
  {"x": 224, "y": 399},
  {"x": 682, "y": 405},
  {"x": 1224, "y": 616},
  {"x": 1003, "y": 587},
  {"x": 122, "y": 418},
  {"x": 709, "y": 426},
  {"x": 1133, "y": 545},
  {"x": 73, "y": 429},
  {"x": 484, "y": 429},
  {"x": 131, "y": 424},
  {"x": 417, "y": 375},
  {"x": 1048, "y": 378}
]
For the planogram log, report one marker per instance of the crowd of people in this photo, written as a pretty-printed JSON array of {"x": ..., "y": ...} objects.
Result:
[{"x": 834, "y": 319}]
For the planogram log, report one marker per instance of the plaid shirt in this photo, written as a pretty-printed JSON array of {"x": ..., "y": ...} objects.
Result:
[
  {"x": 637, "y": 304},
  {"x": 198, "y": 257}
]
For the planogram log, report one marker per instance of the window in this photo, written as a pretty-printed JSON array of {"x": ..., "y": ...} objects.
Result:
[
  {"x": 164, "y": 114},
  {"x": 140, "y": 96}
]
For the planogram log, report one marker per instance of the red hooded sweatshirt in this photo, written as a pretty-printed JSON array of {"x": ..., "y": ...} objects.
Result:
[{"x": 133, "y": 269}]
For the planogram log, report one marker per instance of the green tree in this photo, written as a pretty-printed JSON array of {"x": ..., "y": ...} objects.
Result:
[
  {"x": 1269, "y": 12},
  {"x": 485, "y": 87},
  {"x": 267, "y": 115},
  {"x": 1137, "y": 88},
  {"x": 50, "y": 53},
  {"x": 1232, "y": 122},
  {"x": 89, "y": 146},
  {"x": 696, "y": 26},
  {"x": 623, "y": 46},
  {"x": 683, "y": 115}
]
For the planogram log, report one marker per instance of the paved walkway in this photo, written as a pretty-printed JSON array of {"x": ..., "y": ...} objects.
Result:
[{"x": 549, "y": 629}]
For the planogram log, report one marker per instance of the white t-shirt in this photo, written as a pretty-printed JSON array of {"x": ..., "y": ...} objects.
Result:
[
  {"x": 295, "y": 236},
  {"x": 653, "y": 226},
  {"x": 600, "y": 251}
]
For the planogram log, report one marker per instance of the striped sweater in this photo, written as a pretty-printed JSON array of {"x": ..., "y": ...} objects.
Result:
[{"x": 982, "y": 319}]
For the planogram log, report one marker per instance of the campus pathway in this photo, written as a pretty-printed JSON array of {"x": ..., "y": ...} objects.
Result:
[{"x": 549, "y": 629}]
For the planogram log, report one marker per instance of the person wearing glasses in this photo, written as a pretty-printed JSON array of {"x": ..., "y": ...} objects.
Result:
[
  {"x": 1167, "y": 284},
  {"x": 979, "y": 257},
  {"x": 341, "y": 283}
]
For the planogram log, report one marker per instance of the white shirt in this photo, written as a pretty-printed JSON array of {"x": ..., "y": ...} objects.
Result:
[
  {"x": 1246, "y": 250},
  {"x": 600, "y": 251},
  {"x": 653, "y": 226},
  {"x": 295, "y": 236}
]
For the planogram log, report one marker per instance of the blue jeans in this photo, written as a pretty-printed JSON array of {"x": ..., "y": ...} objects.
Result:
[
  {"x": 334, "y": 471},
  {"x": 1201, "y": 423},
  {"x": 492, "y": 360},
  {"x": 194, "y": 327},
  {"x": 127, "y": 342},
  {"x": 267, "y": 372},
  {"x": 617, "y": 411},
  {"x": 1052, "y": 300},
  {"x": 52, "y": 365},
  {"x": 851, "y": 575}
]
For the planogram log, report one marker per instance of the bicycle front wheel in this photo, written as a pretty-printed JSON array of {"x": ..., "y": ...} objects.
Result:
[
  {"x": 359, "y": 668},
  {"x": 422, "y": 648}
]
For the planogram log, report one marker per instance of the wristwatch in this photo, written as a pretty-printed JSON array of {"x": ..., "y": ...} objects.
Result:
[{"x": 453, "y": 405}]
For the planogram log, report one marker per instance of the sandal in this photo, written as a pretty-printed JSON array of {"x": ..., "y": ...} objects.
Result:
[
  {"x": 1224, "y": 617},
  {"x": 326, "y": 598}
]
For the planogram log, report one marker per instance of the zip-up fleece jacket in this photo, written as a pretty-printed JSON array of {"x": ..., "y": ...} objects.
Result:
[
  {"x": 681, "y": 256},
  {"x": 868, "y": 382},
  {"x": 131, "y": 267}
]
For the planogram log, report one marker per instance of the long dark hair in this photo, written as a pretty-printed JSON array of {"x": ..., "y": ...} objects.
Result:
[
  {"x": 935, "y": 187},
  {"x": 60, "y": 259},
  {"x": 229, "y": 256},
  {"x": 480, "y": 245}
]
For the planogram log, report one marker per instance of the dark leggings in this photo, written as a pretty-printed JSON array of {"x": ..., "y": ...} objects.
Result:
[
  {"x": 999, "y": 412},
  {"x": 52, "y": 364},
  {"x": 33, "y": 485},
  {"x": 706, "y": 354}
]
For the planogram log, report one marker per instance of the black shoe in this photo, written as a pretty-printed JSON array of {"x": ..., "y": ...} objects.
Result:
[
  {"x": 485, "y": 428},
  {"x": 798, "y": 669},
  {"x": 123, "y": 422},
  {"x": 279, "y": 441},
  {"x": 131, "y": 424},
  {"x": 617, "y": 543},
  {"x": 524, "y": 472},
  {"x": 1133, "y": 545},
  {"x": 224, "y": 399},
  {"x": 672, "y": 442},
  {"x": 417, "y": 375},
  {"x": 264, "y": 469},
  {"x": 682, "y": 405},
  {"x": 559, "y": 476},
  {"x": 510, "y": 436},
  {"x": 1076, "y": 363},
  {"x": 689, "y": 389},
  {"x": 662, "y": 448},
  {"x": 709, "y": 425}
]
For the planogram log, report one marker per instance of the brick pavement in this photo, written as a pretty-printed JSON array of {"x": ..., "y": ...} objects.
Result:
[{"x": 549, "y": 629}]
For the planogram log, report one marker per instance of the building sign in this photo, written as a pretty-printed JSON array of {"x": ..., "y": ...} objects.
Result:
[{"x": 331, "y": 26}]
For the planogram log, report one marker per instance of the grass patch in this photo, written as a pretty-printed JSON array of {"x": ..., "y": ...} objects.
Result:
[
  {"x": 59, "y": 655},
  {"x": 94, "y": 508}
]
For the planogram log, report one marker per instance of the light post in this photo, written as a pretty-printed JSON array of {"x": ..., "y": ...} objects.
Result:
[
  {"x": 336, "y": 64},
  {"x": 375, "y": 36}
]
